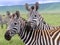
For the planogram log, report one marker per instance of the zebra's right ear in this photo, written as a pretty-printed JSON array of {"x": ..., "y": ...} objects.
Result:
[
  {"x": 17, "y": 14},
  {"x": 8, "y": 13},
  {"x": 27, "y": 7}
]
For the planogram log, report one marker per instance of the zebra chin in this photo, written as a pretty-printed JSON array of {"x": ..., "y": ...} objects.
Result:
[{"x": 7, "y": 36}]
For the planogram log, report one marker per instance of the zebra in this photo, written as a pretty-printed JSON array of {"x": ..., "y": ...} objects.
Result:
[
  {"x": 1, "y": 22},
  {"x": 36, "y": 20},
  {"x": 29, "y": 36},
  {"x": 6, "y": 19}
]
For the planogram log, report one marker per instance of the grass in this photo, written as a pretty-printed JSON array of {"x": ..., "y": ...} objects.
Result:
[{"x": 52, "y": 19}]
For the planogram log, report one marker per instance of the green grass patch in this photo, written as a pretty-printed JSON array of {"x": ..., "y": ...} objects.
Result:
[{"x": 52, "y": 19}]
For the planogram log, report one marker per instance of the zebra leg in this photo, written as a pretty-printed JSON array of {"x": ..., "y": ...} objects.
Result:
[
  {"x": 2, "y": 26},
  {"x": 6, "y": 25}
]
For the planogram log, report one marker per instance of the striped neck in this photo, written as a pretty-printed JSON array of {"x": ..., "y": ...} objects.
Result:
[
  {"x": 26, "y": 34},
  {"x": 44, "y": 26}
]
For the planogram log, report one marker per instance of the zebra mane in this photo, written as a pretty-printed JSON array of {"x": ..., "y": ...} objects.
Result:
[
  {"x": 27, "y": 24},
  {"x": 23, "y": 19}
]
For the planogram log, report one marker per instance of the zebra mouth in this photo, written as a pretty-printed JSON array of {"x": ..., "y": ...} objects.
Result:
[{"x": 7, "y": 36}]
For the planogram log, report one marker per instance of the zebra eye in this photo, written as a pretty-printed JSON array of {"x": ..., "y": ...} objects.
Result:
[
  {"x": 15, "y": 23},
  {"x": 35, "y": 15}
]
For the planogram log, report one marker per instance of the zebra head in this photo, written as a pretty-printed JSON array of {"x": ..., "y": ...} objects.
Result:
[
  {"x": 13, "y": 26},
  {"x": 33, "y": 14}
]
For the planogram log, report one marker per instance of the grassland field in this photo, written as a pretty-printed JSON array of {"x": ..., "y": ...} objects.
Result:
[{"x": 51, "y": 19}]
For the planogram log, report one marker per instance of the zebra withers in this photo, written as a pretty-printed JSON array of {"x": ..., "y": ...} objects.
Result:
[{"x": 28, "y": 35}]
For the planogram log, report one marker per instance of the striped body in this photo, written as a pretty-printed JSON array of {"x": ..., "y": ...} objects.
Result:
[
  {"x": 41, "y": 37},
  {"x": 4, "y": 20}
]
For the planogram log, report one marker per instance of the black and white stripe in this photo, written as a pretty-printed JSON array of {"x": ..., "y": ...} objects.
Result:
[{"x": 40, "y": 37}]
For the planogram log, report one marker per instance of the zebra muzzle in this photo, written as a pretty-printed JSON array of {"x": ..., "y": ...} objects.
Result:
[{"x": 7, "y": 36}]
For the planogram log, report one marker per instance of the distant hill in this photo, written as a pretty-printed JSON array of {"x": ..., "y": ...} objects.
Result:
[{"x": 48, "y": 7}]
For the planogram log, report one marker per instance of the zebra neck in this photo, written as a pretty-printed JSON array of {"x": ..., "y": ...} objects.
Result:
[
  {"x": 26, "y": 36},
  {"x": 44, "y": 26}
]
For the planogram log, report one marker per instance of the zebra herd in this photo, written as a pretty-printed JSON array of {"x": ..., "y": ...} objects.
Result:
[{"x": 34, "y": 31}]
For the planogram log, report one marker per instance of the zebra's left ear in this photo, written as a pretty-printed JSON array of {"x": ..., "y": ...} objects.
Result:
[
  {"x": 17, "y": 14},
  {"x": 27, "y": 7},
  {"x": 36, "y": 6}
]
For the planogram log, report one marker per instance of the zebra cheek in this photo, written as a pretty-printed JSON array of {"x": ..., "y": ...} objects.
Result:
[{"x": 7, "y": 36}]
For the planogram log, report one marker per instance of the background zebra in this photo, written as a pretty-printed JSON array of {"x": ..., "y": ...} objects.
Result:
[
  {"x": 36, "y": 20},
  {"x": 1, "y": 21},
  {"x": 5, "y": 19},
  {"x": 28, "y": 35}
]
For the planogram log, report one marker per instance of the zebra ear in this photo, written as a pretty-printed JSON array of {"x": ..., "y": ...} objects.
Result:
[
  {"x": 8, "y": 13},
  {"x": 36, "y": 6},
  {"x": 12, "y": 16},
  {"x": 17, "y": 14},
  {"x": 27, "y": 7}
]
